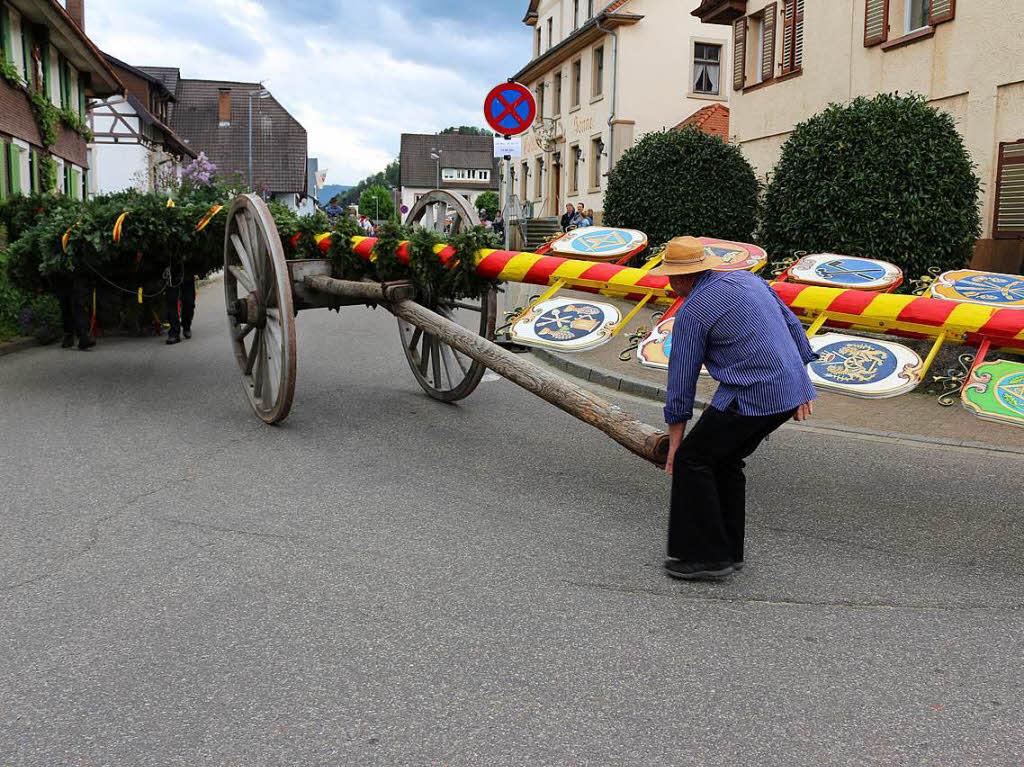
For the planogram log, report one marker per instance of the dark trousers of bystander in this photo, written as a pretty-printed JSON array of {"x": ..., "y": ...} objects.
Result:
[
  {"x": 183, "y": 288},
  {"x": 73, "y": 296},
  {"x": 708, "y": 516}
]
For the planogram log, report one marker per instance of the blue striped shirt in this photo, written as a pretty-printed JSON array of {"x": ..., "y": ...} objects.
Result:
[{"x": 751, "y": 343}]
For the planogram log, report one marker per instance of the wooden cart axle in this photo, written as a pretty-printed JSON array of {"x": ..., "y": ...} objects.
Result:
[{"x": 637, "y": 437}]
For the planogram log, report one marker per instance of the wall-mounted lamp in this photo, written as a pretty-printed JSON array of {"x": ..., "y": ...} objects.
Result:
[
  {"x": 540, "y": 164},
  {"x": 600, "y": 146},
  {"x": 578, "y": 152},
  {"x": 557, "y": 158}
]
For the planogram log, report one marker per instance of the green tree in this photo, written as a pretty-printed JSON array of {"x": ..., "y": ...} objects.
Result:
[
  {"x": 389, "y": 177},
  {"x": 686, "y": 182},
  {"x": 886, "y": 177},
  {"x": 488, "y": 202},
  {"x": 375, "y": 202},
  {"x": 465, "y": 130}
]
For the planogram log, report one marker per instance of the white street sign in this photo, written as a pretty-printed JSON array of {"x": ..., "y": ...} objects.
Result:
[{"x": 513, "y": 147}]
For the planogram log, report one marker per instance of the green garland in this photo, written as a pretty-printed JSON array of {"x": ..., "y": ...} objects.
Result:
[
  {"x": 74, "y": 121},
  {"x": 47, "y": 172},
  {"x": 347, "y": 264},
  {"x": 47, "y": 117},
  {"x": 9, "y": 72},
  {"x": 426, "y": 271},
  {"x": 465, "y": 282},
  {"x": 388, "y": 267}
]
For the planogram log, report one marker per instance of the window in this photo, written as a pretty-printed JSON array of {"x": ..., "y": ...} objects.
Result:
[
  {"x": 598, "y": 82},
  {"x": 540, "y": 100},
  {"x": 590, "y": 9},
  {"x": 574, "y": 172},
  {"x": 792, "y": 36},
  {"x": 903, "y": 17},
  {"x": 556, "y": 101},
  {"x": 81, "y": 100},
  {"x": 596, "y": 145},
  {"x": 5, "y": 35},
  {"x": 707, "y": 65},
  {"x": 575, "y": 15},
  {"x": 66, "y": 178},
  {"x": 536, "y": 43},
  {"x": 1009, "y": 201},
  {"x": 33, "y": 172},
  {"x": 551, "y": 31},
  {"x": 538, "y": 175},
  {"x": 522, "y": 182},
  {"x": 916, "y": 15},
  {"x": 577, "y": 76},
  {"x": 448, "y": 174},
  {"x": 466, "y": 174}
]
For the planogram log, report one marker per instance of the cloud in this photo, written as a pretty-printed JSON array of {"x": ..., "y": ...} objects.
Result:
[{"x": 356, "y": 75}]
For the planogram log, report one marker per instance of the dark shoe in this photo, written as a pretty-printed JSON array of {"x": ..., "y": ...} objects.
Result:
[
  {"x": 698, "y": 571},
  {"x": 187, "y": 332},
  {"x": 85, "y": 343},
  {"x": 68, "y": 342},
  {"x": 171, "y": 340},
  {"x": 737, "y": 566}
]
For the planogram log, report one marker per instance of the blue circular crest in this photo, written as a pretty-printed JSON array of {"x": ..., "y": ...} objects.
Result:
[
  {"x": 570, "y": 322},
  {"x": 991, "y": 288},
  {"x": 855, "y": 363},
  {"x": 601, "y": 241},
  {"x": 850, "y": 271}
]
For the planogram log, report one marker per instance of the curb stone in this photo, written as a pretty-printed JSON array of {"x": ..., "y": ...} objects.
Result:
[
  {"x": 17, "y": 345},
  {"x": 655, "y": 393}
]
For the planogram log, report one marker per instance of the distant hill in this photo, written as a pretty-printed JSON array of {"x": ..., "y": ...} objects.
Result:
[{"x": 327, "y": 192}]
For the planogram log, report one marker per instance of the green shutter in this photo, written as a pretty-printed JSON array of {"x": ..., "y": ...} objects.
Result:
[
  {"x": 4, "y": 175},
  {"x": 33, "y": 168},
  {"x": 76, "y": 184},
  {"x": 14, "y": 165},
  {"x": 81, "y": 97},
  {"x": 26, "y": 53}
]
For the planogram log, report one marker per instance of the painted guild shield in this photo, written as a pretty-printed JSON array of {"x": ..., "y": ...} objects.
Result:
[
  {"x": 733, "y": 256},
  {"x": 1003, "y": 291},
  {"x": 600, "y": 243},
  {"x": 654, "y": 351},
  {"x": 835, "y": 271},
  {"x": 995, "y": 392},
  {"x": 566, "y": 324},
  {"x": 862, "y": 367}
]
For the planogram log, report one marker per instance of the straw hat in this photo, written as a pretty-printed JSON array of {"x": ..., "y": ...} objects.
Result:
[{"x": 683, "y": 255}]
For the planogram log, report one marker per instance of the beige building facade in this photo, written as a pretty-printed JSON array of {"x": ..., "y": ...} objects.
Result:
[
  {"x": 794, "y": 57},
  {"x": 603, "y": 74}
]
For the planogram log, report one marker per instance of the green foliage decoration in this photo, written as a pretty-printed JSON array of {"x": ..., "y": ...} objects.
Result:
[
  {"x": 427, "y": 272},
  {"x": 464, "y": 281},
  {"x": 9, "y": 72},
  {"x": 685, "y": 182},
  {"x": 347, "y": 264},
  {"x": 885, "y": 177},
  {"x": 47, "y": 172},
  {"x": 47, "y": 117},
  {"x": 74, "y": 121},
  {"x": 388, "y": 267}
]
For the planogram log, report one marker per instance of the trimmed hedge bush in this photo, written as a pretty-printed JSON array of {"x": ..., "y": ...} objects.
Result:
[
  {"x": 887, "y": 177},
  {"x": 676, "y": 183}
]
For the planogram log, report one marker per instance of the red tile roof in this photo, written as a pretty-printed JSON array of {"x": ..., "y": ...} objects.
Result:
[{"x": 713, "y": 119}]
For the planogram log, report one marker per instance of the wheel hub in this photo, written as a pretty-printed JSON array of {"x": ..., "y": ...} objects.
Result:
[{"x": 249, "y": 310}]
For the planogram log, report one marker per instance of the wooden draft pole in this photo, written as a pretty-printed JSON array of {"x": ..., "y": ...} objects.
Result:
[{"x": 636, "y": 436}]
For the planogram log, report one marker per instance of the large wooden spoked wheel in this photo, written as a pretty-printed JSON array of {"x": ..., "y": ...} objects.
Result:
[
  {"x": 261, "y": 315},
  {"x": 444, "y": 373}
]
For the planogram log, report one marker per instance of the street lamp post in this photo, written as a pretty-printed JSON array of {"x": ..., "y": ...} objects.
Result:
[
  {"x": 435, "y": 154},
  {"x": 262, "y": 93}
]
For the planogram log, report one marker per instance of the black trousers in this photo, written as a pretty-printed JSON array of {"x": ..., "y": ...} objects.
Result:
[
  {"x": 73, "y": 296},
  {"x": 183, "y": 287},
  {"x": 708, "y": 516}
]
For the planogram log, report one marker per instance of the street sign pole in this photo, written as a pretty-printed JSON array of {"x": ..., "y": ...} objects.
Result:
[{"x": 510, "y": 110}]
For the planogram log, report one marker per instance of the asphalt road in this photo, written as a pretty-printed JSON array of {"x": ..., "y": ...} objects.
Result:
[{"x": 385, "y": 580}]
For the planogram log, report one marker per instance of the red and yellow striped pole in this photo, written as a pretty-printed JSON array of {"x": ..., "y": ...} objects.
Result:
[{"x": 897, "y": 315}]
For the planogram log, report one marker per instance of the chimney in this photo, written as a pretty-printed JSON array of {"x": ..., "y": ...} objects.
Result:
[
  {"x": 224, "y": 107},
  {"x": 76, "y": 10}
]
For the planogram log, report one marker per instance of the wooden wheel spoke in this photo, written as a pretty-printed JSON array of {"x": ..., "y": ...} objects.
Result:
[
  {"x": 261, "y": 364},
  {"x": 435, "y": 358},
  {"x": 424, "y": 356},
  {"x": 243, "y": 331},
  {"x": 254, "y": 351},
  {"x": 243, "y": 277}
]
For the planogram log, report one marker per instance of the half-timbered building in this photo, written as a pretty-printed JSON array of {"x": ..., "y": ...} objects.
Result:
[{"x": 133, "y": 146}]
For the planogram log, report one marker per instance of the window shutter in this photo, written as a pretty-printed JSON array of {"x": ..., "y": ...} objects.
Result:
[
  {"x": 941, "y": 11},
  {"x": 1009, "y": 202},
  {"x": 798, "y": 36},
  {"x": 4, "y": 175},
  {"x": 81, "y": 97},
  {"x": 768, "y": 60},
  {"x": 739, "y": 53},
  {"x": 876, "y": 22},
  {"x": 14, "y": 165}
]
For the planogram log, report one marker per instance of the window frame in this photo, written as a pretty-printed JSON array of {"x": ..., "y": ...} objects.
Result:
[
  {"x": 694, "y": 64},
  {"x": 574, "y": 168},
  {"x": 597, "y": 73},
  {"x": 556, "y": 96},
  {"x": 538, "y": 181},
  {"x": 576, "y": 86},
  {"x": 551, "y": 32},
  {"x": 595, "y": 163}
]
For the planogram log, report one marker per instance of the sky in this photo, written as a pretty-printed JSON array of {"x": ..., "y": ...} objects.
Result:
[{"x": 355, "y": 73}]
